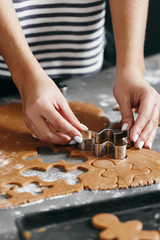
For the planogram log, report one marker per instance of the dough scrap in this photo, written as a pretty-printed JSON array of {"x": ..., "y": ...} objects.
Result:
[
  {"x": 117, "y": 108},
  {"x": 117, "y": 125},
  {"x": 114, "y": 229},
  {"x": 18, "y": 144},
  {"x": 90, "y": 115}
]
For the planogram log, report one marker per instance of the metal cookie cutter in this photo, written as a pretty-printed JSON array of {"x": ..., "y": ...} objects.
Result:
[{"x": 105, "y": 142}]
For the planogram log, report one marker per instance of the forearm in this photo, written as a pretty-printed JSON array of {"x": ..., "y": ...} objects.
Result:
[
  {"x": 13, "y": 45},
  {"x": 43, "y": 104},
  {"x": 129, "y": 22},
  {"x": 130, "y": 89}
]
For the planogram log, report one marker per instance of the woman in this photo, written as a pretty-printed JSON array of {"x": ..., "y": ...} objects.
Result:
[{"x": 56, "y": 39}]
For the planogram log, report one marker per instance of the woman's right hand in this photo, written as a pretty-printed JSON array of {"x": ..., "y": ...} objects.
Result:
[{"x": 46, "y": 111}]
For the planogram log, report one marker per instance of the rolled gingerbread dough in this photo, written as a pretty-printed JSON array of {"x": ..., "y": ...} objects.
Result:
[{"x": 17, "y": 144}]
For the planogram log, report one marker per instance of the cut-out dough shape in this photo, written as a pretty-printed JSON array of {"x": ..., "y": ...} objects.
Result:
[
  {"x": 17, "y": 144},
  {"x": 123, "y": 171},
  {"x": 145, "y": 162},
  {"x": 114, "y": 229}
]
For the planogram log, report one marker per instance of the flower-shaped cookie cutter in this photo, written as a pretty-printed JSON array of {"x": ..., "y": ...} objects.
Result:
[{"x": 106, "y": 142}]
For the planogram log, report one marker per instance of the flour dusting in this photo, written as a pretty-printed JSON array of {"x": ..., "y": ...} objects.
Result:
[
  {"x": 3, "y": 162},
  {"x": 106, "y": 100},
  {"x": 32, "y": 188},
  {"x": 54, "y": 174},
  {"x": 153, "y": 76}
]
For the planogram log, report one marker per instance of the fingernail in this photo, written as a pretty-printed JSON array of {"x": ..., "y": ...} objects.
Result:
[
  {"x": 124, "y": 127},
  {"x": 34, "y": 136},
  {"x": 150, "y": 145},
  {"x": 135, "y": 137},
  {"x": 84, "y": 126},
  {"x": 72, "y": 142},
  {"x": 140, "y": 145},
  {"x": 78, "y": 139}
]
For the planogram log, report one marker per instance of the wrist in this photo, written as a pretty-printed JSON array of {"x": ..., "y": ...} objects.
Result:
[
  {"x": 129, "y": 73},
  {"x": 130, "y": 69},
  {"x": 130, "y": 62}
]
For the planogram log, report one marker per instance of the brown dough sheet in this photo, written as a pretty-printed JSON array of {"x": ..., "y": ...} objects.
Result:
[
  {"x": 114, "y": 229},
  {"x": 17, "y": 144},
  {"x": 90, "y": 115}
]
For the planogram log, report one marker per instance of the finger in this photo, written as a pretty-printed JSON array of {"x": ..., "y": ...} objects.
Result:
[
  {"x": 144, "y": 115},
  {"x": 147, "y": 136},
  {"x": 67, "y": 113},
  {"x": 46, "y": 134},
  {"x": 61, "y": 124},
  {"x": 150, "y": 141},
  {"x": 35, "y": 132},
  {"x": 127, "y": 115}
]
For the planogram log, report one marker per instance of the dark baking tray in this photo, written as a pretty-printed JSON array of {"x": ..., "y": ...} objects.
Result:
[{"x": 75, "y": 222}]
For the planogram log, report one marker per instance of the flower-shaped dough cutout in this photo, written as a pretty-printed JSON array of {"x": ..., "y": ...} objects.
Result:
[{"x": 116, "y": 230}]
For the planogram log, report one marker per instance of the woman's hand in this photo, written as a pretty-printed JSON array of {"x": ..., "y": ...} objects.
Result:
[
  {"x": 46, "y": 111},
  {"x": 131, "y": 90}
]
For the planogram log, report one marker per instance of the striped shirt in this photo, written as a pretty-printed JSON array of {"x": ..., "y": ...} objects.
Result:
[{"x": 67, "y": 37}]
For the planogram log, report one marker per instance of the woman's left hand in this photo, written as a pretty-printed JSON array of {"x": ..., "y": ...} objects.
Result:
[{"x": 131, "y": 90}]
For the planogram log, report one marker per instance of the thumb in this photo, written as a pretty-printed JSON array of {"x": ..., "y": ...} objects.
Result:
[{"x": 127, "y": 115}]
